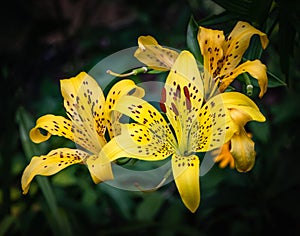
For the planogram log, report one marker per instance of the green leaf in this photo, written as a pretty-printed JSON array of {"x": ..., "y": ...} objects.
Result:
[
  {"x": 61, "y": 224},
  {"x": 121, "y": 199},
  {"x": 287, "y": 36},
  {"x": 274, "y": 81},
  {"x": 255, "y": 49},
  {"x": 6, "y": 223},
  {"x": 260, "y": 131},
  {"x": 259, "y": 11},
  {"x": 255, "y": 11},
  {"x": 219, "y": 19},
  {"x": 239, "y": 7},
  {"x": 191, "y": 39}
]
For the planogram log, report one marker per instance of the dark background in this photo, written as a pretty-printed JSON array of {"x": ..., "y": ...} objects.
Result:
[{"x": 42, "y": 42}]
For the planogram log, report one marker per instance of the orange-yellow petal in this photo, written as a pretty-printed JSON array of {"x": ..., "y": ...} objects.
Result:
[
  {"x": 186, "y": 175},
  {"x": 154, "y": 55},
  {"x": 211, "y": 46},
  {"x": 255, "y": 68},
  {"x": 223, "y": 156},
  {"x": 242, "y": 150},
  {"x": 237, "y": 43},
  {"x": 50, "y": 164}
]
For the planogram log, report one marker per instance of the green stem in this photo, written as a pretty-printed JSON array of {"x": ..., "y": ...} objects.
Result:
[
  {"x": 133, "y": 72},
  {"x": 249, "y": 86},
  {"x": 61, "y": 224}
]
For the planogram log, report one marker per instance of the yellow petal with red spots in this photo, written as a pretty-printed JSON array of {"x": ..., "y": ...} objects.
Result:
[
  {"x": 50, "y": 164},
  {"x": 145, "y": 114},
  {"x": 154, "y": 55},
  {"x": 186, "y": 175},
  {"x": 182, "y": 95}
]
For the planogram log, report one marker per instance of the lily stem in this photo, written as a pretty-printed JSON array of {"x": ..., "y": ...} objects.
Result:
[{"x": 133, "y": 72}]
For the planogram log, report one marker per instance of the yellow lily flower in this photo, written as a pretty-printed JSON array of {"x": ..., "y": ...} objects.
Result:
[
  {"x": 89, "y": 114},
  {"x": 221, "y": 57},
  {"x": 196, "y": 126}
]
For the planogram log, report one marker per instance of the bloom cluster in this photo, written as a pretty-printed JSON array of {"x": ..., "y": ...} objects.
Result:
[{"x": 197, "y": 113}]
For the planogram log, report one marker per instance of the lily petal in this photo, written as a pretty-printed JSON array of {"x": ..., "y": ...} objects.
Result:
[
  {"x": 154, "y": 55},
  {"x": 145, "y": 114},
  {"x": 214, "y": 126},
  {"x": 255, "y": 68},
  {"x": 85, "y": 104},
  {"x": 223, "y": 156},
  {"x": 242, "y": 150},
  {"x": 182, "y": 95},
  {"x": 99, "y": 172},
  {"x": 211, "y": 46},
  {"x": 54, "y": 125},
  {"x": 237, "y": 43},
  {"x": 50, "y": 164},
  {"x": 235, "y": 100},
  {"x": 137, "y": 141},
  {"x": 121, "y": 88},
  {"x": 186, "y": 175}
]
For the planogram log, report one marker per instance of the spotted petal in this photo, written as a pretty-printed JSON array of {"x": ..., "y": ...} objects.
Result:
[
  {"x": 237, "y": 43},
  {"x": 54, "y": 125},
  {"x": 186, "y": 175},
  {"x": 255, "y": 68},
  {"x": 84, "y": 102},
  {"x": 150, "y": 138},
  {"x": 137, "y": 141},
  {"x": 211, "y": 45},
  {"x": 58, "y": 125},
  {"x": 154, "y": 55},
  {"x": 50, "y": 164},
  {"x": 182, "y": 95},
  {"x": 121, "y": 88},
  {"x": 214, "y": 126}
]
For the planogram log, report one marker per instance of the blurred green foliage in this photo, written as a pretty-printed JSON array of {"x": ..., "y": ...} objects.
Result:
[{"x": 45, "y": 41}]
